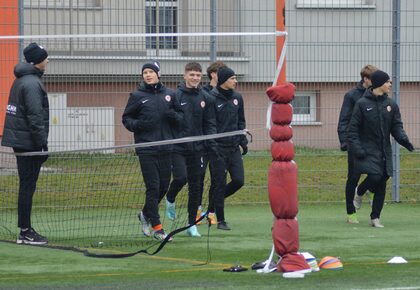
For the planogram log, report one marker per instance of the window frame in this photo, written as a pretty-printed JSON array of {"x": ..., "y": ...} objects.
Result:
[
  {"x": 153, "y": 44},
  {"x": 312, "y": 117},
  {"x": 336, "y": 4}
]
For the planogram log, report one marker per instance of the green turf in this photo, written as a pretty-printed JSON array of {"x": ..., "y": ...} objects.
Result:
[
  {"x": 323, "y": 231},
  {"x": 92, "y": 178}
]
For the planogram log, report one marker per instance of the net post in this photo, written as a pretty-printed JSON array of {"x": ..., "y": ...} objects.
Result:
[{"x": 280, "y": 26}]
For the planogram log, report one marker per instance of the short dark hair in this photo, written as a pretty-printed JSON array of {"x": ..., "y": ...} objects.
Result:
[
  {"x": 214, "y": 67},
  {"x": 193, "y": 66}
]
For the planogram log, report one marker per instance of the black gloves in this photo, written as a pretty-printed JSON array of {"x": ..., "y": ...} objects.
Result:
[
  {"x": 343, "y": 147},
  {"x": 407, "y": 145},
  {"x": 244, "y": 149},
  {"x": 360, "y": 154}
]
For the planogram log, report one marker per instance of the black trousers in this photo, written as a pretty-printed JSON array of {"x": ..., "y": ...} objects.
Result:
[
  {"x": 351, "y": 184},
  {"x": 187, "y": 168},
  {"x": 156, "y": 171},
  {"x": 28, "y": 170},
  {"x": 206, "y": 162},
  {"x": 375, "y": 183},
  {"x": 230, "y": 162}
]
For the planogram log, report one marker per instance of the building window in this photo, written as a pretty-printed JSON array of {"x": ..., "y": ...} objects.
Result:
[
  {"x": 304, "y": 107},
  {"x": 342, "y": 4},
  {"x": 161, "y": 18}
]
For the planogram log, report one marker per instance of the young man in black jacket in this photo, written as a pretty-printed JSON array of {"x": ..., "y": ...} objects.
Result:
[
  {"x": 350, "y": 99},
  {"x": 375, "y": 118},
  {"x": 151, "y": 114},
  {"x": 230, "y": 116},
  {"x": 26, "y": 129},
  {"x": 187, "y": 159},
  {"x": 212, "y": 75}
]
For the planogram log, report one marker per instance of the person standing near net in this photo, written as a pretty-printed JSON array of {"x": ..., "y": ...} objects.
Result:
[
  {"x": 151, "y": 114},
  {"x": 375, "y": 118},
  {"x": 187, "y": 158},
  {"x": 26, "y": 129},
  {"x": 350, "y": 99},
  {"x": 230, "y": 116},
  {"x": 212, "y": 75}
]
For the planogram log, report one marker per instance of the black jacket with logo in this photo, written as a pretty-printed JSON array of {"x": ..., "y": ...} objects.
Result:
[
  {"x": 230, "y": 116},
  {"x": 350, "y": 99},
  {"x": 374, "y": 120},
  {"x": 152, "y": 113},
  {"x": 26, "y": 125},
  {"x": 199, "y": 119}
]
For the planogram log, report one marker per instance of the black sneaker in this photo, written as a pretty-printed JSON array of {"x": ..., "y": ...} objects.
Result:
[
  {"x": 30, "y": 237},
  {"x": 223, "y": 226}
]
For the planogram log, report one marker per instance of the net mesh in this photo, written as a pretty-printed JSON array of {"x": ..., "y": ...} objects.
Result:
[
  {"x": 89, "y": 198},
  {"x": 90, "y": 190}
]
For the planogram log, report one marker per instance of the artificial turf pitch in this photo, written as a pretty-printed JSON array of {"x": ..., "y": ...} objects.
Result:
[{"x": 363, "y": 250}]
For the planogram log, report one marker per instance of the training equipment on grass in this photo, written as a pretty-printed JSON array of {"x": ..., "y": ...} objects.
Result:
[
  {"x": 330, "y": 263},
  {"x": 311, "y": 260},
  {"x": 293, "y": 275},
  {"x": 397, "y": 260},
  {"x": 282, "y": 184},
  {"x": 235, "y": 268}
]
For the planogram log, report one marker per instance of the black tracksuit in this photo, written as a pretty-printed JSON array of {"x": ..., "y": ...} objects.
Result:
[
  {"x": 26, "y": 129},
  {"x": 152, "y": 113},
  {"x": 187, "y": 161},
  {"x": 350, "y": 99},
  {"x": 230, "y": 116},
  {"x": 207, "y": 88},
  {"x": 374, "y": 120}
]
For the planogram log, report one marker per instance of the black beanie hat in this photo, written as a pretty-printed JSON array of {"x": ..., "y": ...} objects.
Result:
[
  {"x": 223, "y": 74},
  {"x": 35, "y": 53},
  {"x": 378, "y": 78},
  {"x": 154, "y": 65}
]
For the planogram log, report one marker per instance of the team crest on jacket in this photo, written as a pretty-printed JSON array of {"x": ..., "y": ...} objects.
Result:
[
  {"x": 235, "y": 102},
  {"x": 388, "y": 108},
  {"x": 168, "y": 98},
  {"x": 203, "y": 104}
]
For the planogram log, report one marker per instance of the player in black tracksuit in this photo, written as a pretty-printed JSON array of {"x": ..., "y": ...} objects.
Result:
[
  {"x": 187, "y": 159},
  {"x": 152, "y": 114},
  {"x": 212, "y": 75},
  {"x": 375, "y": 118},
  {"x": 230, "y": 116},
  {"x": 26, "y": 129},
  {"x": 350, "y": 99}
]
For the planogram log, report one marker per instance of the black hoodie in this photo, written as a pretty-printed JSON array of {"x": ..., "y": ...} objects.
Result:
[{"x": 26, "y": 125}]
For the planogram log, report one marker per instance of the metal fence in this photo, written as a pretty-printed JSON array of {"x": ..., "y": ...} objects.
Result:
[{"x": 89, "y": 77}]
